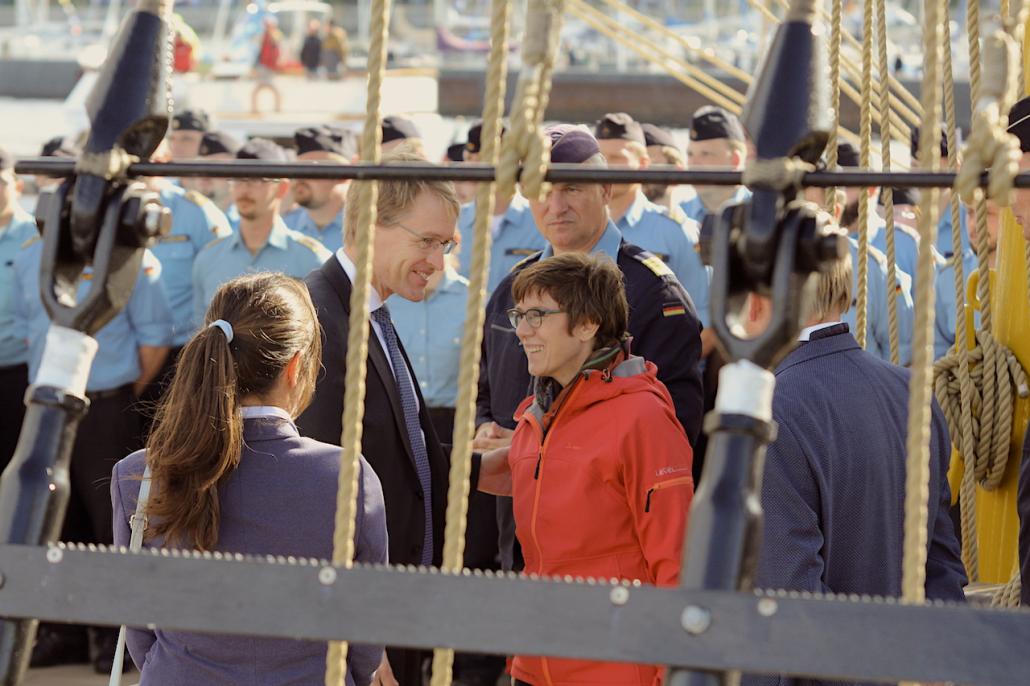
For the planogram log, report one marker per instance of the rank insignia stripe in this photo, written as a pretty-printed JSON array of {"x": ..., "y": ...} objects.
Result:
[{"x": 521, "y": 252}]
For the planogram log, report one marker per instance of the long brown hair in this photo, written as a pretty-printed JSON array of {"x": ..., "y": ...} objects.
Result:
[{"x": 197, "y": 439}]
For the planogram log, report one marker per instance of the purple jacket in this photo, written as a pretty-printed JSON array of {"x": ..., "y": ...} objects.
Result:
[{"x": 281, "y": 500}]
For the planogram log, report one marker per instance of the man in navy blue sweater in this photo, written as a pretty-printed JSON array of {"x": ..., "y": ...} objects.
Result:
[{"x": 834, "y": 485}]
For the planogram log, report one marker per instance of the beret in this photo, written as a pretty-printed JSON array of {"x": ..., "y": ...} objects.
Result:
[
  {"x": 261, "y": 149},
  {"x": 710, "y": 122},
  {"x": 619, "y": 126},
  {"x": 191, "y": 120},
  {"x": 1019, "y": 123},
  {"x": 397, "y": 128},
  {"x": 571, "y": 144},
  {"x": 218, "y": 143}
]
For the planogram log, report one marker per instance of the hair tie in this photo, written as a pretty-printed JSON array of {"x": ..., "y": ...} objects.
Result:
[{"x": 225, "y": 326}]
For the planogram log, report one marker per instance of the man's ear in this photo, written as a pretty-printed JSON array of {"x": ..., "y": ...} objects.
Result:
[
  {"x": 282, "y": 189},
  {"x": 606, "y": 192}
]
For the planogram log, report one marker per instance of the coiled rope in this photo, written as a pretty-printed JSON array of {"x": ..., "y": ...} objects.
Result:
[
  {"x": 475, "y": 312},
  {"x": 357, "y": 338},
  {"x": 974, "y": 386}
]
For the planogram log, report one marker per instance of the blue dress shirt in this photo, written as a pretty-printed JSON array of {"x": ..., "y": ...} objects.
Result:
[
  {"x": 285, "y": 251},
  {"x": 696, "y": 210},
  {"x": 21, "y": 228},
  {"x": 146, "y": 320},
  {"x": 431, "y": 332},
  {"x": 517, "y": 238},
  {"x": 650, "y": 227},
  {"x": 196, "y": 221},
  {"x": 330, "y": 235}
]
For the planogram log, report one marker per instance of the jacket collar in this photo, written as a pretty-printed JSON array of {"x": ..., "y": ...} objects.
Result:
[
  {"x": 268, "y": 428},
  {"x": 277, "y": 238},
  {"x": 835, "y": 340},
  {"x": 609, "y": 243},
  {"x": 635, "y": 211}
]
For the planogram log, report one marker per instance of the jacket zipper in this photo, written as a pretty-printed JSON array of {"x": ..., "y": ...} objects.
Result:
[
  {"x": 536, "y": 499},
  {"x": 679, "y": 481}
]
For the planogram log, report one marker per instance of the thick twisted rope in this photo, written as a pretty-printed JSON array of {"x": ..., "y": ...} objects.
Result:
[
  {"x": 964, "y": 439},
  {"x": 866, "y": 137},
  {"x": 357, "y": 338},
  {"x": 475, "y": 312},
  {"x": 1008, "y": 595},
  {"x": 888, "y": 192},
  {"x": 831, "y": 141},
  {"x": 525, "y": 141},
  {"x": 917, "y": 472}
]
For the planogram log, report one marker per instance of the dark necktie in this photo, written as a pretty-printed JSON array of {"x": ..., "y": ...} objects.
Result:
[{"x": 409, "y": 405}]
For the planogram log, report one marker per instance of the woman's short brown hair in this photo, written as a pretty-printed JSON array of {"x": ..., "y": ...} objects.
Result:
[{"x": 588, "y": 288}]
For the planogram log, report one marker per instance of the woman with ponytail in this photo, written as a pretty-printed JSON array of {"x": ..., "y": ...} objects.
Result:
[{"x": 231, "y": 473}]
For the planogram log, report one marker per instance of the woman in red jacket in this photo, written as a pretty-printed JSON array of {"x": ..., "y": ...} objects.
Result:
[{"x": 600, "y": 465}]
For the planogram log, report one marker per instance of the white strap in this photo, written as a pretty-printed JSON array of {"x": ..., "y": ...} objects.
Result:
[{"x": 138, "y": 524}]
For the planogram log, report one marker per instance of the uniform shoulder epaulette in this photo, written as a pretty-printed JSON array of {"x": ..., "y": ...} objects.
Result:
[
  {"x": 34, "y": 239},
  {"x": 651, "y": 261},
  {"x": 198, "y": 198},
  {"x": 675, "y": 213},
  {"x": 309, "y": 242},
  {"x": 214, "y": 243}
]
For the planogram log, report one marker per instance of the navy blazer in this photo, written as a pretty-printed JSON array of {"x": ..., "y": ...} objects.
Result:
[
  {"x": 281, "y": 500},
  {"x": 834, "y": 484}
]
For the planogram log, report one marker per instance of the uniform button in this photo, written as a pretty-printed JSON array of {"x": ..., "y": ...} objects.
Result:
[{"x": 422, "y": 384}]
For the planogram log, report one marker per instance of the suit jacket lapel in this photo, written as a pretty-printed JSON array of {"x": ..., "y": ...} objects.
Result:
[{"x": 380, "y": 365}]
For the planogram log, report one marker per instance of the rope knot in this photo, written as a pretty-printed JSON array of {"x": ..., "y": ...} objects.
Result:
[{"x": 778, "y": 173}]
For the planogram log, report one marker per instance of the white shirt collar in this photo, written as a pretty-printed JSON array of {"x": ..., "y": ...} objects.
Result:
[
  {"x": 806, "y": 333},
  {"x": 375, "y": 301},
  {"x": 261, "y": 411}
]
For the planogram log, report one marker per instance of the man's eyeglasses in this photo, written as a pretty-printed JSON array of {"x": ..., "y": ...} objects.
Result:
[
  {"x": 428, "y": 243},
  {"x": 534, "y": 316}
]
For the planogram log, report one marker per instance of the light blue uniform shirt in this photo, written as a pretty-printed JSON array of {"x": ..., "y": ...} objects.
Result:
[
  {"x": 878, "y": 339},
  {"x": 330, "y": 235},
  {"x": 196, "y": 221},
  {"x": 946, "y": 315},
  {"x": 431, "y": 331},
  {"x": 906, "y": 246},
  {"x": 944, "y": 246},
  {"x": 649, "y": 226},
  {"x": 21, "y": 228},
  {"x": 233, "y": 215},
  {"x": 146, "y": 320},
  {"x": 696, "y": 210},
  {"x": 516, "y": 239},
  {"x": 285, "y": 251}
]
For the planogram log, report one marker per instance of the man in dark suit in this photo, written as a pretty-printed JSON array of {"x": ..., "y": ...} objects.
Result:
[
  {"x": 415, "y": 227},
  {"x": 834, "y": 483}
]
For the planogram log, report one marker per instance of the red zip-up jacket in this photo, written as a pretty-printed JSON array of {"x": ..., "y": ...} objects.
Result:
[{"x": 601, "y": 487}]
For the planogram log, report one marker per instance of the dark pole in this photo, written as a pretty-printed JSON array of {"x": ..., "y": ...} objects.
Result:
[
  {"x": 773, "y": 248},
  {"x": 94, "y": 218}
]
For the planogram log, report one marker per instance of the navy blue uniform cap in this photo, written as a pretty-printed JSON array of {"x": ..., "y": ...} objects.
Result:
[
  {"x": 619, "y": 126},
  {"x": 711, "y": 122},
  {"x": 570, "y": 144},
  {"x": 261, "y": 149},
  {"x": 218, "y": 143}
]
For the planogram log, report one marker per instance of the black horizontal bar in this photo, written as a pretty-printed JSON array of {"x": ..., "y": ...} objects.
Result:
[
  {"x": 835, "y": 638},
  {"x": 558, "y": 173}
]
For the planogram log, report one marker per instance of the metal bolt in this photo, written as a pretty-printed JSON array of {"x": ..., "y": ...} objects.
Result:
[
  {"x": 619, "y": 595},
  {"x": 696, "y": 620},
  {"x": 767, "y": 607},
  {"x": 157, "y": 220},
  {"x": 54, "y": 555},
  {"x": 327, "y": 576}
]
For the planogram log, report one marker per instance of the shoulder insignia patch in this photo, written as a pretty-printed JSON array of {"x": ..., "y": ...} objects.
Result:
[
  {"x": 34, "y": 239},
  {"x": 173, "y": 238},
  {"x": 673, "y": 309},
  {"x": 521, "y": 252}
]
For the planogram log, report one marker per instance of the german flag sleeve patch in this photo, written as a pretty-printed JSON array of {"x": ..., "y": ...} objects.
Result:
[{"x": 673, "y": 309}]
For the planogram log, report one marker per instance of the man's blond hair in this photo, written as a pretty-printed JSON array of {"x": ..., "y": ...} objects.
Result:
[
  {"x": 397, "y": 195},
  {"x": 832, "y": 292}
]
